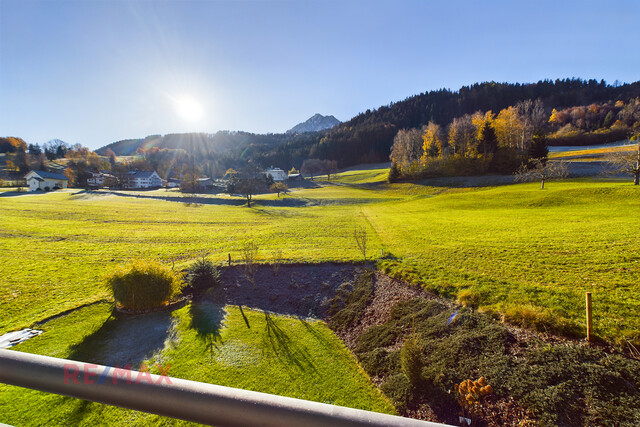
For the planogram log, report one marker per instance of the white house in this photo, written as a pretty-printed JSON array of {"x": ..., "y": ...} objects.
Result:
[
  {"x": 276, "y": 174},
  {"x": 142, "y": 179},
  {"x": 98, "y": 179},
  {"x": 41, "y": 180}
]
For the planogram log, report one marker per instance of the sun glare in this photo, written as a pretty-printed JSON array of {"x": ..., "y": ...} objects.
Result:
[{"x": 189, "y": 109}]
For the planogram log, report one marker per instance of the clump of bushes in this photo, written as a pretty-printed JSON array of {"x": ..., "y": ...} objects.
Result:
[
  {"x": 144, "y": 285},
  {"x": 202, "y": 275},
  {"x": 559, "y": 384},
  {"x": 351, "y": 300}
]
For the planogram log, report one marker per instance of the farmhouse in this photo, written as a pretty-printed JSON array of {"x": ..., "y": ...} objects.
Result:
[
  {"x": 42, "y": 180},
  {"x": 100, "y": 179},
  {"x": 142, "y": 179},
  {"x": 204, "y": 184},
  {"x": 277, "y": 174}
]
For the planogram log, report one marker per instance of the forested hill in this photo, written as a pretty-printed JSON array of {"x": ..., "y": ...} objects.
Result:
[{"x": 367, "y": 137}]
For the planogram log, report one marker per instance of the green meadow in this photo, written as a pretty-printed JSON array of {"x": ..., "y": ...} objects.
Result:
[
  {"x": 524, "y": 254},
  {"x": 515, "y": 245},
  {"x": 246, "y": 348}
]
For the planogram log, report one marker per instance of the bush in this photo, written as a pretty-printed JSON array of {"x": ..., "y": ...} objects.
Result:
[
  {"x": 203, "y": 274},
  {"x": 469, "y": 298},
  {"x": 143, "y": 285},
  {"x": 350, "y": 301},
  {"x": 411, "y": 360}
]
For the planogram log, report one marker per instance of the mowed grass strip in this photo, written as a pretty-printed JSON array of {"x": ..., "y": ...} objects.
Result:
[{"x": 228, "y": 346}]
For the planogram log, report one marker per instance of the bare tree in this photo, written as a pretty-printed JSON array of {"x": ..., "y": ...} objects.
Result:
[
  {"x": 532, "y": 116},
  {"x": 462, "y": 135},
  {"x": 625, "y": 163},
  {"x": 330, "y": 167},
  {"x": 311, "y": 167},
  {"x": 277, "y": 261},
  {"x": 250, "y": 258},
  {"x": 542, "y": 171},
  {"x": 407, "y": 148},
  {"x": 360, "y": 236}
]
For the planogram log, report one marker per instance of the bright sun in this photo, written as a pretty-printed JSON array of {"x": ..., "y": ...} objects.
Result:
[{"x": 188, "y": 109}]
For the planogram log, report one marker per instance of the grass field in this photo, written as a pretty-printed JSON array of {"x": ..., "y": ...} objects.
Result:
[
  {"x": 526, "y": 254},
  {"x": 251, "y": 349},
  {"x": 593, "y": 153},
  {"x": 515, "y": 245}
]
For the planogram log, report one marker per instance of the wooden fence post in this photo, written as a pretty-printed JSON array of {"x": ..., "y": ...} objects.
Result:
[
  {"x": 229, "y": 260},
  {"x": 589, "y": 323}
]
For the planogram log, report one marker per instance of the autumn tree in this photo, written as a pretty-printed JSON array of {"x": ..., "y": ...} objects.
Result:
[
  {"x": 508, "y": 128},
  {"x": 433, "y": 142},
  {"x": 279, "y": 187},
  {"x": 461, "y": 136},
  {"x": 407, "y": 148}
]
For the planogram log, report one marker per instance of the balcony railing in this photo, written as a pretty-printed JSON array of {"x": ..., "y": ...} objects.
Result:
[{"x": 178, "y": 398}]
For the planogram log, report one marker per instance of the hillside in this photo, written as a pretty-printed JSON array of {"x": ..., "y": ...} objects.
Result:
[{"x": 368, "y": 137}]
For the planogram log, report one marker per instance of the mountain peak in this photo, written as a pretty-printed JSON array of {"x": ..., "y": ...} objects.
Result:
[{"x": 315, "y": 123}]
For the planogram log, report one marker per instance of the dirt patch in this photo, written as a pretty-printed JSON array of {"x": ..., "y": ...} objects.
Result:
[{"x": 298, "y": 290}]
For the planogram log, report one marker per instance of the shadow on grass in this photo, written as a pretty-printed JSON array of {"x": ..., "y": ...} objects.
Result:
[
  {"x": 195, "y": 200},
  {"x": 206, "y": 320},
  {"x": 125, "y": 340},
  {"x": 285, "y": 348},
  {"x": 314, "y": 332}
]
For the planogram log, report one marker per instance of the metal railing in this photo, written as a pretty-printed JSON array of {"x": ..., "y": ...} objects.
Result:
[{"x": 177, "y": 398}]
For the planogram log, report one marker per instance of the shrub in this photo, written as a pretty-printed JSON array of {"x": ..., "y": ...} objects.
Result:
[
  {"x": 469, "y": 298},
  {"x": 350, "y": 301},
  {"x": 203, "y": 274},
  {"x": 411, "y": 360},
  {"x": 143, "y": 285}
]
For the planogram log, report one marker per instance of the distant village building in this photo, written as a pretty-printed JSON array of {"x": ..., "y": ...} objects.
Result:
[
  {"x": 45, "y": 181},
  {"x": 142, "y": 179},
  {"x": 295, "y": 177},
  {"x": 101, "y": 179},
  {"x": 278, "y": 175},
  {"x": 174, "y": 183},
  {"x": 204, "y": 184}
]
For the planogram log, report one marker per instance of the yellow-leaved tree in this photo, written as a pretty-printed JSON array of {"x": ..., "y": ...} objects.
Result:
[
  {"x": 508, "y": 127},
  {"x": 433, "y": 142}
]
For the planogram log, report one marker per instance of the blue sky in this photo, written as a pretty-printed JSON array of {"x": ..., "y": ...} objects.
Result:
[{"x": 93, "y": 72}]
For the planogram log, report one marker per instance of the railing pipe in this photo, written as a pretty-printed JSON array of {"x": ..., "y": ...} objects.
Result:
[{"x": 177, "y": 398}]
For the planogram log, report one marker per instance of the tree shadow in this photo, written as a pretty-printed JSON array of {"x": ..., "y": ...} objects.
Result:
[
  {"x": 314, "y": 332},
  {"x": 246, "y": 321},
  {"x": 125, "y": 340},
  {"x": 206, "y": 320},
  {"x": 285, "y": 348}
]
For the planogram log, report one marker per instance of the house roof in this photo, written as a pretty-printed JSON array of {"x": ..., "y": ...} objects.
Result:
[
  {"x": 142, "y": 174},
  {"x": 50, "y": 175}
]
